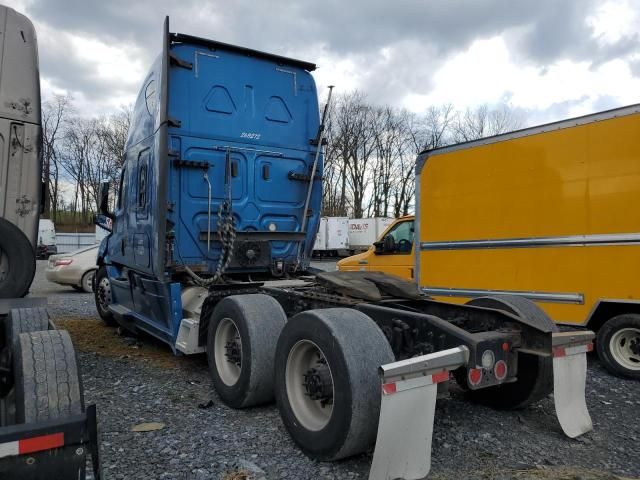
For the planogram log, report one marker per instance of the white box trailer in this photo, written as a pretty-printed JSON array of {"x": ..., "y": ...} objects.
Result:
[
  {"x": 364, "y": 231},
  {"x": 332, "y": 238},
  {"x": 321, "y": 237}
]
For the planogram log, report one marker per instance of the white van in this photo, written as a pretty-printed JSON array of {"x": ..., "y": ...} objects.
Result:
[{"x": 46, "y": 239}]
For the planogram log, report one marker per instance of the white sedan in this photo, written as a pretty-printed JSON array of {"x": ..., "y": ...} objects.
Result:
[{"x": 76, "y": 269}]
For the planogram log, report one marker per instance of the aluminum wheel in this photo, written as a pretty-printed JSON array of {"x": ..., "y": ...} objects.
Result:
[
  {"x": 309, "y": 385},
  {"x": 104, "y": 294},
  {"x": 228, "y": 351},
  {"x": 625, "y": 348}
]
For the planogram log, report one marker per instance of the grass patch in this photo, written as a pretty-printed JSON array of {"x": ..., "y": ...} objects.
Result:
[{"x": 94, "y": 336}]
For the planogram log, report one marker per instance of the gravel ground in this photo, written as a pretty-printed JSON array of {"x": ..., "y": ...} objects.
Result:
[{"x": 133, "y": 382}]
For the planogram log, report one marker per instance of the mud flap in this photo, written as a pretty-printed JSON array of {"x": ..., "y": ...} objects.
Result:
[
  {"x": 405, "y": 428},
  {"x": 569, "y": 381}
]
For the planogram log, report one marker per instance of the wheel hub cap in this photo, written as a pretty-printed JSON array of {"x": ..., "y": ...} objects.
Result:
[
  {"x": 318, "y": 384},
  {"x": 625, "y": 348},
  {"x": 309, "y": 385},
  {"x": 233, "y": 351},
  {"x": 227, "y": 351}
]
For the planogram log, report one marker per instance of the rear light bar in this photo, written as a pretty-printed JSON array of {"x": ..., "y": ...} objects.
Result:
[{"x": 63, "y": 262}]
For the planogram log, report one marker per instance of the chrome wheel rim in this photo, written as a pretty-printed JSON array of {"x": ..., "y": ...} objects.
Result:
[
  {"x": 227, "y": 352},
  {"x": 625, "y": 348},
  {"x": 104, "y": 294},
  {"x": 311, "y": 403}
]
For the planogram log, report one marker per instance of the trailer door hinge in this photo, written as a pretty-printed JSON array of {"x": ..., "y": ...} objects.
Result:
[{"x": 175, "y": 60}]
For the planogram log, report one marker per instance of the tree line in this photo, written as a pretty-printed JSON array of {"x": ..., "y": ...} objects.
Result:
[
  {"x": 371, "y": 150},
  {"x": 79, "y": 153},
  {"x": 368, "y": 162}
]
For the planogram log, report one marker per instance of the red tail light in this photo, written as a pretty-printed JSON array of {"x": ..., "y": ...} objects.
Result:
[
  {"x": 63, "y": 262},
  {"x": 475, "y": 376},
  {"x": 500, "y": 370}
]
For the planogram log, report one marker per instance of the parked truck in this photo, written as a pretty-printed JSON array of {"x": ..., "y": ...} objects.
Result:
[
  {"x": 45, "y": 430},
  {"x": 364, "y": 231},
  {"x": 545, "y": 213},
  {"x": 216, "y": 215},
  {"x": 332, "y": 239},
  {"x": 46, "y": 245}
]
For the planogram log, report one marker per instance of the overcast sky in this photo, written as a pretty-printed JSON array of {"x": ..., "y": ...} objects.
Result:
[{"x": 551, "y": 59}]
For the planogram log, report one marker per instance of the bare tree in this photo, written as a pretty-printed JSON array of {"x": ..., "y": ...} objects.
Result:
[
  {"x": 55, "y": 115},
  {"x": 481, "y": 122},
  {"x": 352, "y": 149}
]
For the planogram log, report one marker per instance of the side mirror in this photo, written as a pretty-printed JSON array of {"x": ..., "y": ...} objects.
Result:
[
  {"x": 389, "y": 244},
  {"x": 103, "y": 206},
  {"x": 104, "y": 222}
]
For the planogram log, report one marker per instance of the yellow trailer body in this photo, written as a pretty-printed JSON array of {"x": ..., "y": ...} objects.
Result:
[{"x": 550, "y": 213}]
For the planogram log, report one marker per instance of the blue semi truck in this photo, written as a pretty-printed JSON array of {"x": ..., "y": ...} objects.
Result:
[{"x": 214, "y": 222}]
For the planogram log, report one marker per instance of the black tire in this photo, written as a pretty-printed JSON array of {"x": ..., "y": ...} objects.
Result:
[
  {"x": 102, "y": 296},
  {"x": 610, "y": 341},
  {"x": 19, "y": 265},
  {"x": 258, "y": 319},
  {"x": 535, "y": 373},
  {"x": 24, "y": 320},
  {"x": 48, "y": 382},
  {"x": 354, "y": 347}
]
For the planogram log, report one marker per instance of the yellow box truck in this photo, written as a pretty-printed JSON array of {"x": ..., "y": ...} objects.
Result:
[{"x": 550, "y": 213}]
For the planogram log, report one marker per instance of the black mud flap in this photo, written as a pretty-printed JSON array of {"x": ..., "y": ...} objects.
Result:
[{"x": 52, "y": 449}]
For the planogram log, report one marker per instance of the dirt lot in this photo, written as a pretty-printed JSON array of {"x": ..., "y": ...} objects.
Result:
[{"x": 136, "y": 381}]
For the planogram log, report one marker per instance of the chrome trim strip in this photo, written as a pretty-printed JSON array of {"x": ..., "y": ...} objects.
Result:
[
  {"x": 551, "y": 297},
  {"x": 549, "y": 127},
  {"x": 567, "y": 241}
]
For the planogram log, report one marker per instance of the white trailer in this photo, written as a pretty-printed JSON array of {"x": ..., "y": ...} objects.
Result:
[
  {"x": 332, "y": 239},
  {"x": 364, "y": 231}
]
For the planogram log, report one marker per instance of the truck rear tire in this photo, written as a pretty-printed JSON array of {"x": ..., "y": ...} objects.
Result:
[
  {"x": 535, "y": 373},
  {"x": 241, "y": 344},
  {"x": 25, "y": 320},
  {"x": 102, "y": 295},
  {"x": 48, "y": 382},
  {"x": 17, "y": 261},
  {"x": 618, "y": 345},
  {"x": 327, "y": 383}
]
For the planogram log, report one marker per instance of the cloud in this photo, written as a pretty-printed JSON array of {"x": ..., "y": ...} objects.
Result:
[{"x": 407, "y": 52}]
